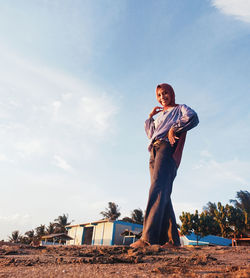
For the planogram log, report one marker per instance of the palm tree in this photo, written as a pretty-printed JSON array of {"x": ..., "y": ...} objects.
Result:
[
  {"x": 112, "y": 212},
  {"x": 242, "y": 201},
  {"x": 61, "y": 222},
  {"x": 127, "y": 219},
  {"x": 40, "y": 231},
  {"x": 210, "y": 208},
  {"x": 15, "y": 237},
  {"x": 50, "y": 229},
  {"x": 137, "y": 216},
  {"x": 30, "y": 235}
]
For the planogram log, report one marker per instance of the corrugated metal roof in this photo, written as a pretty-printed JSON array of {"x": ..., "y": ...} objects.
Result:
[
  {"x": 211, "y": 239},
  {"x": 103, "y": 221},
  {"x": 61, "y": 235},
  {"x": 90, "y": 223}
]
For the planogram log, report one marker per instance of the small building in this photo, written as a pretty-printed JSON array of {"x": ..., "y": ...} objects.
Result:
[
  {"x": 102, "y": 232},
  {"x": 55, "y": 239},
  {"x": 207, "y": 240},
  {"x": 130, "y": 237}
]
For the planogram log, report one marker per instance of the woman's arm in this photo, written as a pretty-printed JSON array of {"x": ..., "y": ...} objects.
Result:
[
  {"x": 149, "y": 123},
  {"x": 187, "y": 121},
  {"x": 149, "y": 127}
]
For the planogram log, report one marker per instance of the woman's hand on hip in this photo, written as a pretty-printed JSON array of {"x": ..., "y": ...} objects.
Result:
[
  {"x": 155, "y": 111},
  {"x": 172, "y": 136}
]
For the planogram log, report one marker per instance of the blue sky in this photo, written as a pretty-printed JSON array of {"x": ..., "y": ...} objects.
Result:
[{"x": 77, "y": 81}]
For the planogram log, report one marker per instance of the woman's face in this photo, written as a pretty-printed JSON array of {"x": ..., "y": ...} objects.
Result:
[{"x": 163, "y": 97}]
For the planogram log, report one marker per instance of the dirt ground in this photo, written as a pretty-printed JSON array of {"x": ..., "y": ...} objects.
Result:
[{"x": 121, "y": 261}]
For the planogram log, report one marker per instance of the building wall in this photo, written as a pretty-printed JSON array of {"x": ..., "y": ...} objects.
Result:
[
  {"x": 107, "y": 233},
  {"x": 97, "y": 236},
  {"x": 121, "y": 227},
  {"x": 76, "y": 233},
  {"x": 184, "y": 241},
  {"x": 102, "y": 234}
]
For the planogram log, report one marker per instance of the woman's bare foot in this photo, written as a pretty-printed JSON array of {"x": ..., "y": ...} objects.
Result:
[
  {"x": 139, "y": 244},
  {"x": 168, "y": 245}
]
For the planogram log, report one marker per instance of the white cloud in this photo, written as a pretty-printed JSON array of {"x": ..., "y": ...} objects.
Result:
[
  {"x": 61, "y": 163},
  {"x": 94, "y": 108},
  {"x": 12, "y": 222},
  {"x": 44, "y": 111},
  {"x": 56, "y": 106},
  {"x": 206, "y": 153},
  {"x": 38, "y": 88},
  {"x": 227, "y": 172},
  {"x": 179, "y": 207},
  {"x": 240, "y": 9},
  {"x": 3, "y": 157},
  {"x": 91, "y": 114},
  {"x": 15, "y": 218},
  {"x": 210, "y": 179},
  {"x": 30, "y": 147}
]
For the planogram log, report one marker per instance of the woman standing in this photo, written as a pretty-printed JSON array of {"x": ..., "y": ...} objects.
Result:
[{"x": 167, "y": 137}]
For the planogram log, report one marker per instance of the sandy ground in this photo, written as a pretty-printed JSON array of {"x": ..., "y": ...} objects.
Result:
[{"x": 121, "y": 261}]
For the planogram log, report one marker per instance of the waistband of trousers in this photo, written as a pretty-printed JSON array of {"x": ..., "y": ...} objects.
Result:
[{"x": 157, "y": 142}]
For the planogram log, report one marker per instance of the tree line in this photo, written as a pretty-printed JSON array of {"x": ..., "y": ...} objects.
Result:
[
  {"x": 34, "y": 235},
  {"x": 216, "y": 219},
  {"x": 112, "y": 212},
  {"x": 221, "y": 220}
]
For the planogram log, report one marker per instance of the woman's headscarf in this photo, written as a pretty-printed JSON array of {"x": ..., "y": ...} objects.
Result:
[{"x": 169, "y": 89}]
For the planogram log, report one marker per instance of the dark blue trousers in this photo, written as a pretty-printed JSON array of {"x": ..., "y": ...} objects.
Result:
[{"x": 159, "y": 224}]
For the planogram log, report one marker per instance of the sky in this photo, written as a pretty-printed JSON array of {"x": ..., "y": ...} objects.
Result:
[{"x": 77, "y": 82}]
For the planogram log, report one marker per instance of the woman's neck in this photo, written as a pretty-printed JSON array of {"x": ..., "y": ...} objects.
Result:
[{"x": 165, "y": 108}]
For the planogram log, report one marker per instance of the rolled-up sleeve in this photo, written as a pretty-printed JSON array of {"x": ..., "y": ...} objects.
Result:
[
  {"x": 149, "y": 127},
  {"x": 187, "y": 121}
]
